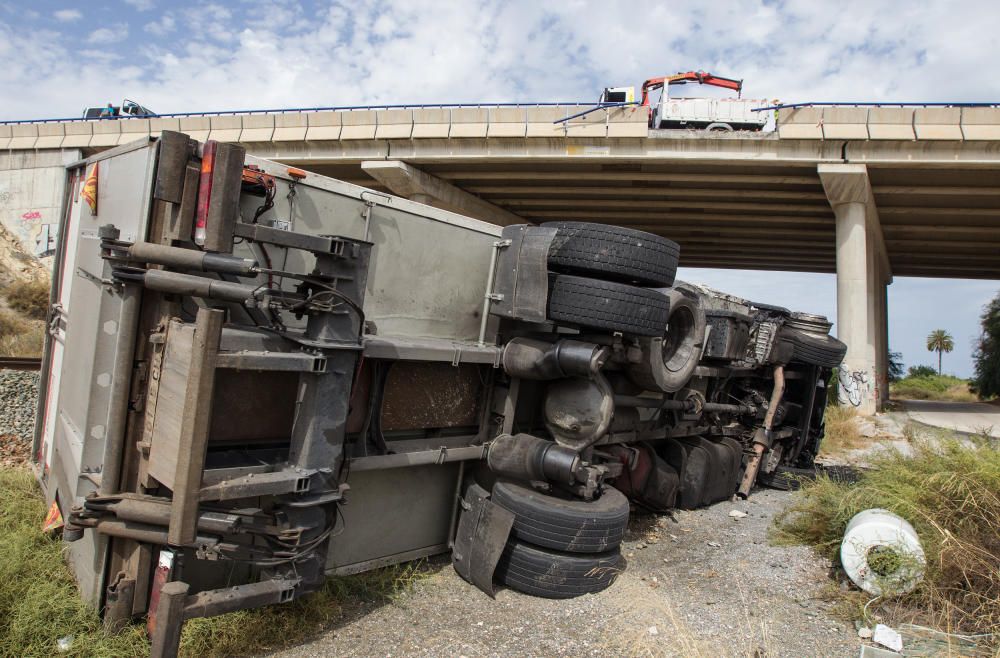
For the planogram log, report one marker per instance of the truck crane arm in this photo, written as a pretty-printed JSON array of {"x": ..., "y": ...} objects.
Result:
[{"x": 690, "y": 76}]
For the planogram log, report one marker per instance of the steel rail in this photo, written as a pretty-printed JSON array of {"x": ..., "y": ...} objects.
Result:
[
  {"x": 20, "y": 363},
  {"x": 791, "y": 106},
  {"x": 341, "y": 108}
]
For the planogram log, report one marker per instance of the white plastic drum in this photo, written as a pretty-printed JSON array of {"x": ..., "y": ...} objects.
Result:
[{"x": 882, "y": 554}]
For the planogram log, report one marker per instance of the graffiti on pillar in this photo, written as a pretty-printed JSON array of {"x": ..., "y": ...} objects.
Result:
[{"x": 854, "y": 384}]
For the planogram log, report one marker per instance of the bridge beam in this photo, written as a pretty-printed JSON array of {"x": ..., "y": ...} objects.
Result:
[
  {"x": 411, "y": 183},
  {"x": 863, "y": 272}
]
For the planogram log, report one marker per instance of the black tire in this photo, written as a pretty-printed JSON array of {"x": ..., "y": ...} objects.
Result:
[
  {"x": 813, "y": 349},
  {"x": 606, "y": 305},
  {"x": 565, "y": 524},
  {"x": 554, "y": 575},
  {"x": 613, "y": 253}
]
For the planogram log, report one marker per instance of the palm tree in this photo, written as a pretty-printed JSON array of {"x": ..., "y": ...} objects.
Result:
[{"x": 940, "y": 341}]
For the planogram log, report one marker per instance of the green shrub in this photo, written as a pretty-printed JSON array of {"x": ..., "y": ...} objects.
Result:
[
  {"x": 950, "y": 492},
  {"x": 921, "y": 371},
  {"x": 933, "y": 387},
  {"x": 29, "y": 297}
]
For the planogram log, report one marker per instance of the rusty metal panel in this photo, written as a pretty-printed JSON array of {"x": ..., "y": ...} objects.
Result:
[
  {"x": 223, "y": 208},
  {"x": 253, "y": 406},
  {"x": 431, "y": 395}
]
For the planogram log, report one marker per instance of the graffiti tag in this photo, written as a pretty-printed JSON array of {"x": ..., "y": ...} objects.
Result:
[
  {"x": 854, "y": 385},
  {"x": 31, "y": 215}
]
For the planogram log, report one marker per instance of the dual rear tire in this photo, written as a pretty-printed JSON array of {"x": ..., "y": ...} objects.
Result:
[
  {"x": 597, "y": 276},
  {"x": 561, "y": 547}
]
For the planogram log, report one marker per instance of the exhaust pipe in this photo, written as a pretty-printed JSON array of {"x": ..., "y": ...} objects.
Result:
[
  {"x": 762, "y": 437},
  {"x": 536, "y": 359}
]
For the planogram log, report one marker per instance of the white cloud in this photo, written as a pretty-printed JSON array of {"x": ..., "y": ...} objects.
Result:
[
  {"x": 109, "y": 35},
  {"x": 141, "y": 5},
  {"x": 161, "y": 27},
  {"x": 352, "y": 52},
  {"x": 67, "y": 15}
]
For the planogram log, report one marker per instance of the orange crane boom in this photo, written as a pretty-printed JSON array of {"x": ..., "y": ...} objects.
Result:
[{"x": 690, "y": 76}]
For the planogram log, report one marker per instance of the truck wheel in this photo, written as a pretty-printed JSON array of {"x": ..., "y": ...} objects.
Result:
[
  {"x": 607, "y": 305},
  {"x": 554, "y": 575},
  {"x": 565, "y": 524},
  {"x": 613, "y": 253},
  {"x": 813, "y": 349},
  {"x": 669, "y": 360}
]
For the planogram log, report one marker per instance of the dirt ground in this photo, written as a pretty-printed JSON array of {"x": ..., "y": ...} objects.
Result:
[{"x": 702, "y": 583}]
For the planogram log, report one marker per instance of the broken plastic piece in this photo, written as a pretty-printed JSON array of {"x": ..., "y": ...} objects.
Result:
[
  {"x": 888, "y": 637},
  {"x": 881, "y": 553}
]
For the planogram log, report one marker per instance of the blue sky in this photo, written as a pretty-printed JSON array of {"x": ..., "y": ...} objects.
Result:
[{"x": 177, "y": 56}]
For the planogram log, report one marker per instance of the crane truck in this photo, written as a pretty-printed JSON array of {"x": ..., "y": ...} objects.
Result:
[{"x": 714, "y": 114}]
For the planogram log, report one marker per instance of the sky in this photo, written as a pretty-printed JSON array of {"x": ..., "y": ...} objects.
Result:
[{"x": 180, "y": 56}]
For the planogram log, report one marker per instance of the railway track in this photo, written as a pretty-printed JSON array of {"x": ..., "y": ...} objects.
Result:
[{"x": 20, "y": 363}]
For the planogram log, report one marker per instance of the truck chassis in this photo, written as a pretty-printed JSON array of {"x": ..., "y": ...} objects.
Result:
[{"x": 257, "y": 377}]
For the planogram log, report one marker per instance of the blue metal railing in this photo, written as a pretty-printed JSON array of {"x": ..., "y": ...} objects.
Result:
[
  {"x": 788, "y": 106},
  {"x": 342, "y": 108},
  {"x": 599, "y": 106}
]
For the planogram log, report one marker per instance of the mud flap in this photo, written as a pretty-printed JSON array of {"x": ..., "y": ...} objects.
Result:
[{"x": 482, "y": 534}]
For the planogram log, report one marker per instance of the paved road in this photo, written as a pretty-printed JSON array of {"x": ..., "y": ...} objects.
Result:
[{"x": 970, "y": 417}]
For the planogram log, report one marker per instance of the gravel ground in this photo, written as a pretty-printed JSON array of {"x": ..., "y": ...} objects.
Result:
[
  {"x": 700, "y": 584},
  {"x": 18, "y": 399}
]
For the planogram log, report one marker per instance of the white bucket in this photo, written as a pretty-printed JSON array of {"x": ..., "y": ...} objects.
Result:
[{"x": 882, "y": 554}]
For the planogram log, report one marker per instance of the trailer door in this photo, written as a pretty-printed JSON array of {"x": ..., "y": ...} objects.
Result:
[{"x": 85, "y": 340}]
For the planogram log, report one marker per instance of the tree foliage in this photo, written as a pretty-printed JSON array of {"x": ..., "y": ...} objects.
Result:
[
  {"x": 986, "y": 382},
  {"x": 940, "y": 341},
  {"x": 896, "y": 371}
]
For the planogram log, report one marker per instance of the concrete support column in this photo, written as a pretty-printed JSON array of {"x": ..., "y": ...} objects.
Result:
[
  {"x": 862, "y": 274},
  {"x": 855, "y": 308}
]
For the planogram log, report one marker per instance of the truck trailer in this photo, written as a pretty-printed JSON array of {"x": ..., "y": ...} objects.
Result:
[{"x": 256, "y": 377}]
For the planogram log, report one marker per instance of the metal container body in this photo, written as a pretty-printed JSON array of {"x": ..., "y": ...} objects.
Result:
[
  {"x": 701, "y": 112},
  {"x": 428, "y": 269}
]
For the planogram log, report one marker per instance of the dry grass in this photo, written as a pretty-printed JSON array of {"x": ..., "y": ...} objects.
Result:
[
  {"x": 28, "y": 342},
  {"x": 841, "y": 431},
  {"x": 950, "y": 492},
  {"x": 29, "y": 297},
  {"x": 39, "y": 602},
  {"x": 650, "y": 627},
  {"x": 20, "y": 336}
]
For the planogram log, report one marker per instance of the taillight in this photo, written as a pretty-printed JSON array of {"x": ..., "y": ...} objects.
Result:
[{"x": 204, "y": 192}]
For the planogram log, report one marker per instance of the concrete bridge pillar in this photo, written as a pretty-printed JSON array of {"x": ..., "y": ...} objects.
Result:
[{"x": 862, "y": 275}]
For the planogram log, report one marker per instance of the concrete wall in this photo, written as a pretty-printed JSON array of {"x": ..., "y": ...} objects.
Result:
[{"x": 31, "y": 191}]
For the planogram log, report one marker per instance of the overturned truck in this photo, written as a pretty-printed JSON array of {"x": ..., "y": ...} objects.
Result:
[{"x": 257, "y": 377}]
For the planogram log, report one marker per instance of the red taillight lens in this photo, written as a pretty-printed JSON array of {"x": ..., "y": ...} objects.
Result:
[{"x": 204, "y": 192}]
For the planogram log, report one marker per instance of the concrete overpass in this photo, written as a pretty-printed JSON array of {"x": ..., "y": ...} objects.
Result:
[{"x": 866, "y": 192}]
